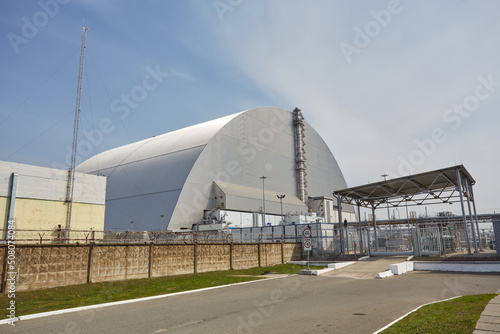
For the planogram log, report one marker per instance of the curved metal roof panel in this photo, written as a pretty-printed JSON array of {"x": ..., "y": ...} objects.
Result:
[{"x": 175, "y": 141}]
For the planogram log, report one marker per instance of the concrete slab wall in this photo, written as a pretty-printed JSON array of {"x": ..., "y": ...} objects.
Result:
[
  {"x": 292, "y": 251},
  {"x": 245, "y": 256},
  {"x": 48, "y": 266},
  {"x": 173, "y": 259},
  {"x": 40, "y": 267},
  {"x": 112, "y": 263},
  {"x": 270, "y": 254},
  {"x": 212, "y": 257}
]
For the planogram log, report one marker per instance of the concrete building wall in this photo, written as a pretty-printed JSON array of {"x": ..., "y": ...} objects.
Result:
[
  {"x": 40, "y": 198},
  {"x": 43, "y": 215}
]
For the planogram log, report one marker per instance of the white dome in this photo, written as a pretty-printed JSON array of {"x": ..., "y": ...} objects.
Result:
[{"x": 173, "y": 174}]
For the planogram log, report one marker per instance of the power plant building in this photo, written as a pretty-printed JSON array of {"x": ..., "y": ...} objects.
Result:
[
  {"x": 35, "y": 198},
  {"x": 238, "y": 164}
]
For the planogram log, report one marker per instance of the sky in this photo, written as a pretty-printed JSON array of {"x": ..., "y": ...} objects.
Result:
[{"x": 396, "y": 87}]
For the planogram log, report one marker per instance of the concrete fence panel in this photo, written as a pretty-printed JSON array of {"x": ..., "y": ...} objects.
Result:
[
  {"x": 172, "y": 259},
  {"x": 270, "y": 254},
  {"x": 292, "y": 251},
  {"x": 213, "y": 257},
  {"x": 245, "y": 256},
  {"x": 48, "y": 266},
  {"x": 42, "y": 267},
  {"x": 119, "y": 262}
]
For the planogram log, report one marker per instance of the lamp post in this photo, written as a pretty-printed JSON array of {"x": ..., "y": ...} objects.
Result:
[
  {"x": 162, "y": 221},
  {"x": 281, "y": 204},
  {"x": 263, "y": 200},
  {"x": 407, "y": 216},
  {"x": 132, "y": 225},
  {"x": 385, "y": 175},
  {"x": 399, "y": 216}
]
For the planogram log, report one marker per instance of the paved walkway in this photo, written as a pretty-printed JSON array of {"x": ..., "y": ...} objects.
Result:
[
  {"x": 366, "y": 269},
  {"x": 489, "y": 322}
]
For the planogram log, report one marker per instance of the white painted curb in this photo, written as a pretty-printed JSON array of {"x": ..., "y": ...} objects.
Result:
[
  {"x": 472, "y": 266},
  {"x": 398, "y": 319},
  {"x": 339, "y": 265},
  {"x": 331, "y": 267},
  {"x": 385, "y": 274}
]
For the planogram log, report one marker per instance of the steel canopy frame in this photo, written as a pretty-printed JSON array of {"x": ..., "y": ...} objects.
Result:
[{"x": 441, "y": 186}]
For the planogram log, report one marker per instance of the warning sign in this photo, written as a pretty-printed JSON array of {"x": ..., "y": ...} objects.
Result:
[{"x": 307, "y": 245}]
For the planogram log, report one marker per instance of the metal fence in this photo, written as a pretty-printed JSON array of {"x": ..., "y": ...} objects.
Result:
[
  {"x": 324, "y": 237},
  {"x": 428, "y": 239},
  {"x": 424, "y": 239},
  {"x": 62, "y": 236}
]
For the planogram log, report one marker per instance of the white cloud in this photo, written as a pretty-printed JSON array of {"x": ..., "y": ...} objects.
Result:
[{"x": 393, "y": 93}]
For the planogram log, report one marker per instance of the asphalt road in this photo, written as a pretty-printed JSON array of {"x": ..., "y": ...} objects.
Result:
[{"x": 296, "y": 304}]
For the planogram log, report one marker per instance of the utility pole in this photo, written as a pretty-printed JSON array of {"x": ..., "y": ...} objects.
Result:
[{"x": 71, "y": 174}]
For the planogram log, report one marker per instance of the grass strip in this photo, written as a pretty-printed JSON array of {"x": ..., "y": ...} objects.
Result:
[
  {"x": 36, "y": 301},
  {"x": 458, "y": 315}
]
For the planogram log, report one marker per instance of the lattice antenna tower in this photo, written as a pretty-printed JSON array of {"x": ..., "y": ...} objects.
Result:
[{"x": 71, "y": 172}]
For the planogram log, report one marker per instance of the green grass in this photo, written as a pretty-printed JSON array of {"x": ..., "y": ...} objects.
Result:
[
  {"x": 28, "y": 302},
  {"x": 458, "y": 315}
]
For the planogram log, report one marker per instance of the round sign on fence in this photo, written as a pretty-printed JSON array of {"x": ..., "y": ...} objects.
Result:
[{"x": 307, "y": 233}]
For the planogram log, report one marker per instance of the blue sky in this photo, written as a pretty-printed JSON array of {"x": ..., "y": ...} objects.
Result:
[{"x": 392, "y": 86}]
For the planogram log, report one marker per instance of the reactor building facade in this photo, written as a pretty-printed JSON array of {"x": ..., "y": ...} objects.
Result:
[{"x": 241, "y": 163}]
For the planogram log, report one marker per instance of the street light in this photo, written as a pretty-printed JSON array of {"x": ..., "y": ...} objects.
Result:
[
  {"x": 131, "y": 225},
  {"x": 281, "y": 204},
  {"x": 263, "y": 201},
  {"x": 407, "y": 217},
  {"x": 162, "y": 221},
  {"x": 385, "y": 175}
]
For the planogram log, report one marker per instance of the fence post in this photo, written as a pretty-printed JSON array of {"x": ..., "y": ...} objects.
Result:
[
  {"x": 195, "y": 255},
  {"x": 231, "y": 256},
  {"x": 149, "y": 261},
  {"x": 258, "y": 251},
  {"x": 282, "y": 254},
  {"x": 368, "y": 241},
  {"x": 89, "y": 264}
]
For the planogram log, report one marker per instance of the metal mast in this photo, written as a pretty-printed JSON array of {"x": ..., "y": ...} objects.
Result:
[
  {"x": 300, "y": 159},
  {"x": 71, "y": 172}
]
